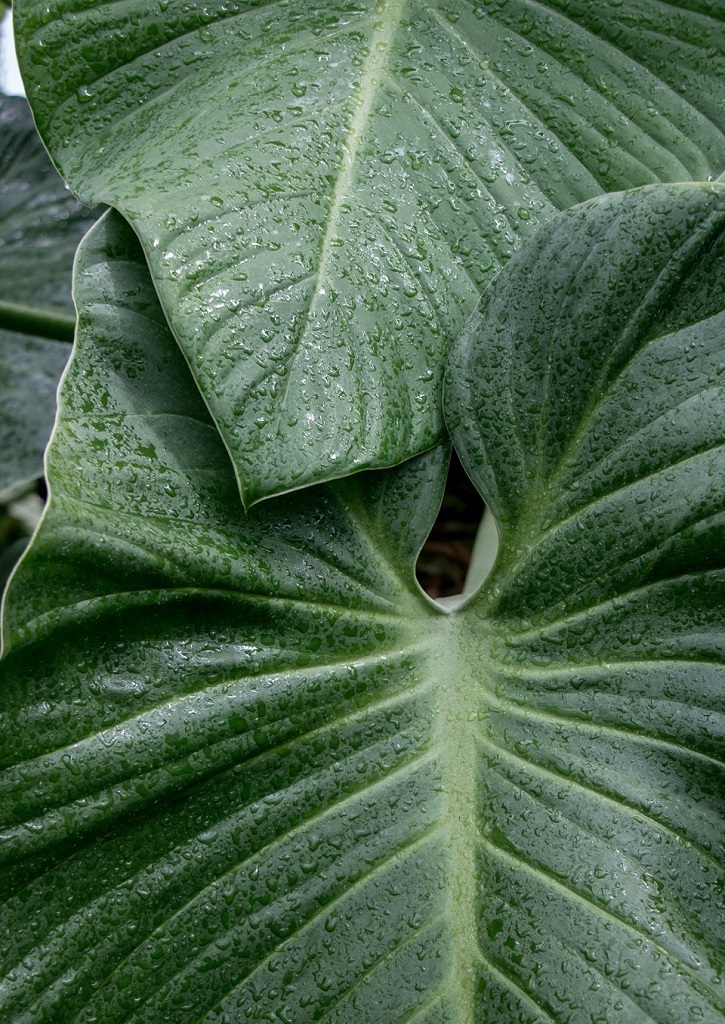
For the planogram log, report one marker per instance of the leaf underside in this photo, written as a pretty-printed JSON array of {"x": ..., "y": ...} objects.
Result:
[
  {"x": 40, "y": 226},
  {"x": 251, "y": 773},
  {"x": 322, "y": 191}
]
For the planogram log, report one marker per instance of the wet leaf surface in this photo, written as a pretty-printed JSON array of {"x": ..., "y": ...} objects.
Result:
[
  {"x": 323, "y": 189},
  {"x": 252, "y": 773}
]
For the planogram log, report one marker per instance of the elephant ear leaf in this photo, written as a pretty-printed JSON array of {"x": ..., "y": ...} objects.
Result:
[
  {"x": 249, "y": 771},
  {"x": 216, "y": 726},
  {"x": 41, "y": 224},
  {"x": 586, "y": 401},
  {"x": 323, "y": 190}
]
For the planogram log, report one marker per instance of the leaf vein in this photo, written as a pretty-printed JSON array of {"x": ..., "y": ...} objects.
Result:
[
  {"x": 619, "y": 804},
  {"x": 396, "y": 855}
]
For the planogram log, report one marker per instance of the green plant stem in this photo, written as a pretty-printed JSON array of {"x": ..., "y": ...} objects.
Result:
[{"x": 39, "y": 323}]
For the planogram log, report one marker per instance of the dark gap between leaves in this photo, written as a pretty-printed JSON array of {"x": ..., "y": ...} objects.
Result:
[{"x": 443, "y": 563}]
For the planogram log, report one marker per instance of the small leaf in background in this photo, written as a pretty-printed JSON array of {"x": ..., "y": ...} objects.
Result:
[
  {"x": 251, "y": 772},
  {"x": 323, "y": 190},
  {"x": 29, "y": 372},
  {"x": 40, "y": 226}
]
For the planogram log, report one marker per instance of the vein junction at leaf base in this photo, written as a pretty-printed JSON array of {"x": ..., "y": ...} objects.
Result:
[{"x": 251, "y": 773}]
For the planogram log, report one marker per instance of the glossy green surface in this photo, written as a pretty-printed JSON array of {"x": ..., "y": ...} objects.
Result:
[
  {"x": 40, "y": 226},
  {"x": 251, "y": 773},
  {"x": 322, "y": 189}
]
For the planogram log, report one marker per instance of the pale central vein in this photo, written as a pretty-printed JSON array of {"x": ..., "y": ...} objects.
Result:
[
  {"x": 457, "y": 739},
  {"x": 384, "y": 30}
]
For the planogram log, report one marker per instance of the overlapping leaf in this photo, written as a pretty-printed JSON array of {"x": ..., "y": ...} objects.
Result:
[
  {"x": 40, "y": 226},
  {"x": 586, "y": 401},
  {"x": 258, "y": 675},
  {"x": 323, "y": 189},
  {"x": 251, "y": 773}
]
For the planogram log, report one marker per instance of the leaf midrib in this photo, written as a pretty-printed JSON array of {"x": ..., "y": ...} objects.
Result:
[
  {"x": 381, "y": 44},
  {"x": 461, "y": 695}
]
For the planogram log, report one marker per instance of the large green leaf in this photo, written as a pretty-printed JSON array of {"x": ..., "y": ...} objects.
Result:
[
  {"x": 323, "y": 189},
  {"x": 40, "y": 226},
  {"x": 251, "y": 773}
]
